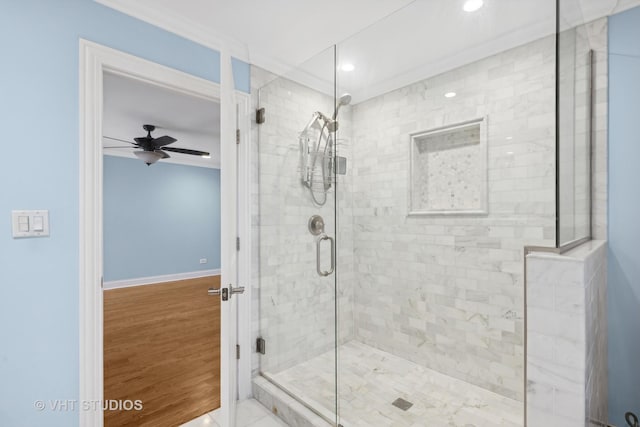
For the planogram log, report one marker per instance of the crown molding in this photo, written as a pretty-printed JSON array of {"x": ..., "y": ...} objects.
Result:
[{"x": 176, "y": 24}]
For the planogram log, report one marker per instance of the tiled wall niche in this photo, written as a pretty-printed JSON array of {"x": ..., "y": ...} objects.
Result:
[{"x": 449, "y": 170}]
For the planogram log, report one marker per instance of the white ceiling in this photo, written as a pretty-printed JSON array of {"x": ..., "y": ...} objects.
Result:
[
  {"x": 391, "y": 43},
  {"x": 279, "y": 34},
  {"x": 129, "y": 104},
  {"x": 273, "y": 34},
  {"x": 429, "y": 37}
]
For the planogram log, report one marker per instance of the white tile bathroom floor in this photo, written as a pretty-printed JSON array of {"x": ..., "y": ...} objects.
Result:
[
  {"x": 372, "y": 379},
  {"x": 250, "y": 414}
]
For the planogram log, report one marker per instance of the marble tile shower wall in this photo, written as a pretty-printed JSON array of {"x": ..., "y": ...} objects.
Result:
[
  {"x": 567, "y": 348},
  {"x": 296, "y": 305},
  {"x": 447, "y": 291}
]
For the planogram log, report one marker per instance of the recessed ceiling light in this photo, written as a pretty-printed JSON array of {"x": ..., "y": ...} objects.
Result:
[
  {"x": 472, "y": 5},
  {"x": 509, "y": 138},
  {"x": 510, "y": 152},
  {"x": 450, "y": 94},
  {"x": 348, "y": 67},
  {"x": 208, "y": 156}
]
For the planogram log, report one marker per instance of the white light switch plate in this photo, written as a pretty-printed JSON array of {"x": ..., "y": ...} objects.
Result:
[{"x": 34, "y": 223}]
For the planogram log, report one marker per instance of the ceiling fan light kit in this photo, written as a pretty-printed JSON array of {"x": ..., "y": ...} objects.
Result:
[
  {"x": 154, "y": 149},
  {"x": 149, "y": 157}
]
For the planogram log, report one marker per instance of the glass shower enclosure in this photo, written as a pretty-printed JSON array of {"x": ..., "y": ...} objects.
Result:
[{"x": 399, "y": 181}]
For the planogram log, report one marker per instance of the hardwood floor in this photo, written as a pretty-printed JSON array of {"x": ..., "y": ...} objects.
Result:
[{"x": 162, "y": 347}]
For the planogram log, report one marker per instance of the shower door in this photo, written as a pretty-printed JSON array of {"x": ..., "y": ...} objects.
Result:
[{"x": 297, "y": 232}]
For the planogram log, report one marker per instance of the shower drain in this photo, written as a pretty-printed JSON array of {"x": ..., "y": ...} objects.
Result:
[{"x": 402, "y": 404}]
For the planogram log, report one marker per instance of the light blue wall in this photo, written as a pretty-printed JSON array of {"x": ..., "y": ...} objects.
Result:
[
  {"x": 159, "y": 219},
  {"x": 241, "y": 75},
  {"x": 624, "y": 215},
  {"x": 39, "y": 115}
]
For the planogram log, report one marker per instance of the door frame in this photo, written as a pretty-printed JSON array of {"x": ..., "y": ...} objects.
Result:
[{"x": 95, "y": 59}]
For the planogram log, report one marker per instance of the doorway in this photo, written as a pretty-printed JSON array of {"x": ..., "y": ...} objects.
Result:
[
  {"x": 161, "y": 252},
  {"x": 96, "y": 62}
]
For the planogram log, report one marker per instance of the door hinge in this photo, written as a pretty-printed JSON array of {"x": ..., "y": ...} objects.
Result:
[
  {"x": 260, "y": 112},
  {"x": 237, "y": 243},
  {"x": 260, "y": 345},
  {"x": 238, "y": 351},
  {"x": 237, "y": 136}
]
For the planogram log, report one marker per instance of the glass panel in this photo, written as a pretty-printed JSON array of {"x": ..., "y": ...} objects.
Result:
[
  {"x": 296, "y": 183},
  {"x": 574, "y": 124},
  {"x": 432, "y": 310}
]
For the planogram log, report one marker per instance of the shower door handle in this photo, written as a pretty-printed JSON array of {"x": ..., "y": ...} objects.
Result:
[{"x": 333, "y": 255}]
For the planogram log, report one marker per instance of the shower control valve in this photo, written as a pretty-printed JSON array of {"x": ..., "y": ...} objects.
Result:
[{"x": 316, "y": 225}]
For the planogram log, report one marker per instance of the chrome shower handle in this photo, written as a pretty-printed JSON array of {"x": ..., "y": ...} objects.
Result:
[{"x": 333, "y": 255}]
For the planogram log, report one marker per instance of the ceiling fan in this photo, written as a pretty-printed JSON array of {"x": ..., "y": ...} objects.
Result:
[{"x": 153, "y": 149}]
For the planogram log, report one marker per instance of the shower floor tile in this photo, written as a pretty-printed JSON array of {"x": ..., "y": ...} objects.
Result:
[{"x": 371, "y": 380}]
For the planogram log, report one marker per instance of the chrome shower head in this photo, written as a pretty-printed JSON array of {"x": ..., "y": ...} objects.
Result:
[{"x": 345, "y": 99}]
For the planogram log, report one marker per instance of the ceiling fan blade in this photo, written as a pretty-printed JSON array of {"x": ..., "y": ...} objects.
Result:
[
  {"x": 141, "y": 140},
  {"x": 185, "y": 151},
  {"x": 121, "y": 140},
  {"x": 163, "y": 140},
  {"x": 164, "y": 155}
]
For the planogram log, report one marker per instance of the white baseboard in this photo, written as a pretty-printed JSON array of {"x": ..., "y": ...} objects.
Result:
[{"x": 127, "y": 283}]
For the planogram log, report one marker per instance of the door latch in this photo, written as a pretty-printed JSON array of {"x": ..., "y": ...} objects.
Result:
[{"x": 225, "y": 293}]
